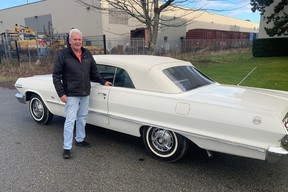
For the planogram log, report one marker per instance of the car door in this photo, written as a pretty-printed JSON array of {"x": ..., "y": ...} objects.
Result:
[{"x": 98, "y": 106}]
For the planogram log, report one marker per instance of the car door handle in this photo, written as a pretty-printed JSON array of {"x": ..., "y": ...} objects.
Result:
[{"x": 100, "y": 93}]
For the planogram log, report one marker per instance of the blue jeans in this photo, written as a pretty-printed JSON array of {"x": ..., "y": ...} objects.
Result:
[{"x": 76, "y": 109}]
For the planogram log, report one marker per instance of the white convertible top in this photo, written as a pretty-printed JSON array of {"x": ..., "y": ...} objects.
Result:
[
  {"x": 143, "y": 61},
  {"x": 144, "y": 70}
]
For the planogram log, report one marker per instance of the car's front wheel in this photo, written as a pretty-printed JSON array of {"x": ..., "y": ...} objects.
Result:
[
  {"x": 164, "y": 144},
  {"x": 39, "y": 111}
]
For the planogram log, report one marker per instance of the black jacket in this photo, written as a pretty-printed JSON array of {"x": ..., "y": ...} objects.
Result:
[{"x": 72, "y": 77}]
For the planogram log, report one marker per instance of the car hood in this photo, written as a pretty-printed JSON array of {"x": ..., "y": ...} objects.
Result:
[{"x": 238, "y": 96}]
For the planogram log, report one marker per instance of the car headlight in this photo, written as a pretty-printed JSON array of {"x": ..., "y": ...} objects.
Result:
[{"x": 285, "y": 121}]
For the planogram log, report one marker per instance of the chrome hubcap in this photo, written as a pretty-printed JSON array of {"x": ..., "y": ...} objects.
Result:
[
  {"x": 37, "y": 108},
  {"x": 162, "y": 140}
]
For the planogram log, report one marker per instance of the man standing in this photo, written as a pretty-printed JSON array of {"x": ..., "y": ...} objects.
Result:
[{"x": 74, "y": 68}]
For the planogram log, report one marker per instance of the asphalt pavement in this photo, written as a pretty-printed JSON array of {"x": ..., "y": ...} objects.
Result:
[{"x": 31, "y": 160}]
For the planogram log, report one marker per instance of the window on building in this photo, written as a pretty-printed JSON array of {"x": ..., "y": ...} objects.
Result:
[{"x": 118, "y": 17}]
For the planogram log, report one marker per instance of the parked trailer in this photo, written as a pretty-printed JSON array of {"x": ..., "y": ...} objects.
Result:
[
  {"x": 215, "y": 34},
  {"x": 212, "y": 39}
]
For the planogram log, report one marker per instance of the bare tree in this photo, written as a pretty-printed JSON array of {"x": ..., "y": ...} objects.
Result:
[{"x": 148, "y": 12}]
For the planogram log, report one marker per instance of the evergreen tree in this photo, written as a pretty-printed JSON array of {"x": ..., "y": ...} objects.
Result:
[{"x": 278, "y": 17}]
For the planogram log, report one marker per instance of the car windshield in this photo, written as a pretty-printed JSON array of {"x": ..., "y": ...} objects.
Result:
[{"x": 187, "y": 77}]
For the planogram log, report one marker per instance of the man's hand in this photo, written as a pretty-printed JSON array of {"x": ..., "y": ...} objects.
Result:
[
  {"x": 63, "y": 98},
  {"x": 108, "y": 83}
]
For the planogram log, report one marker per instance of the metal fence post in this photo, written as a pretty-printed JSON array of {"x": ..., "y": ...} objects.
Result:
[
  {"x": 17, "y": 52},
  {"x": 104, "y": 44},
  {"x": 8, "y": 46}
]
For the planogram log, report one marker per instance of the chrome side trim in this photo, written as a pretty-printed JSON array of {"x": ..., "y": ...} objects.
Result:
[
  {"x": 104, "y": 114},
  {"x": 18, "y": 86},
  {"x": 21, "y": 98},
  {"x": 273, "y": 154},
  {"x": 55, "y": 102},
  {"x": 259, "y": 149}
]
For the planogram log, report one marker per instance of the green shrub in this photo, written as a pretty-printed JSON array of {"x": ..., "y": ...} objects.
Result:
[{"x": 271, "y": 47}]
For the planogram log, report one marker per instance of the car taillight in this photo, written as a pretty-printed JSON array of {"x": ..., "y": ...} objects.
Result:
[
  {"x": 284, "y": 142},
  {"x": 285, "y": 121}
]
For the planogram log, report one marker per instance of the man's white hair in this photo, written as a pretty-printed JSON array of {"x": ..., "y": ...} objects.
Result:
[{"x": 74, "y": 31}]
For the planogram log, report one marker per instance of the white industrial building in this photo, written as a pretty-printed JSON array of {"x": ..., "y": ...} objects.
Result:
[{"x": 62, "y": 15}]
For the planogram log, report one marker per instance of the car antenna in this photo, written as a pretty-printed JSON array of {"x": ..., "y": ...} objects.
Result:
[{"x": 246, "y": 76}]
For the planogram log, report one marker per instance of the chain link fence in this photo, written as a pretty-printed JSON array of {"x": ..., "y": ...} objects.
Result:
[{"x": 33, "y": 49}]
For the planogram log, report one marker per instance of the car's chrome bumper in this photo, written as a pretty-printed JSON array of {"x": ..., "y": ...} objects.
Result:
[
  {"x": 20, "y": 97},
  {"x": 275, "y": 153}
]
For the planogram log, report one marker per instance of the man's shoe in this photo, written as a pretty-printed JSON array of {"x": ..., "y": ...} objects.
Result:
[
  {"x": 66, "y": 154},
  {"x": 82, "y": 144}
]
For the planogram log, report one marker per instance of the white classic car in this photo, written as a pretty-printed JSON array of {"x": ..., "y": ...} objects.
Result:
[{"x": 170, "y": 104}]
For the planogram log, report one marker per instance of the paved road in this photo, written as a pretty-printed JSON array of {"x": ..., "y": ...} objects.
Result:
[{"x": 31, "y": 160}]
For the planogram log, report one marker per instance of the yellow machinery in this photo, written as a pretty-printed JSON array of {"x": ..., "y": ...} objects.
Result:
[
  {"x": 24, "y": 30},
  {"x": 23, "y": 40}
]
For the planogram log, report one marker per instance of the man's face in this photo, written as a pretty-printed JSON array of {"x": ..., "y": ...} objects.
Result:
[{"x": 75, "y": 41}]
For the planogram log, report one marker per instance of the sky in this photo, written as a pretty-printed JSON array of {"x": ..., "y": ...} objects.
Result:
[
  {"x": 11, "y": 3},
  {"x": 239, "y": 9}
]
